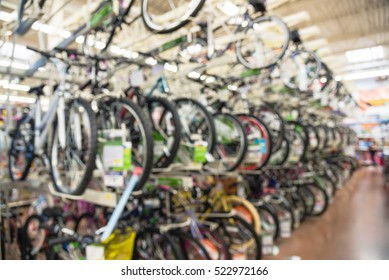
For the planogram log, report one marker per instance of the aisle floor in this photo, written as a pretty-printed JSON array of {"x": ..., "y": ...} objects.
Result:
[{"x": 356, "y": 225}]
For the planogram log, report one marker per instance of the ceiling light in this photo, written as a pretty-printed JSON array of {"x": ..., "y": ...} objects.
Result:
[
  {"x": 367, "y": 54},
  {"x": 80, "y": 39},
  {"x": 194, "y": 75},
  {"x": 6, "y": 85},
  {"x": 316, "y": 44},
  {"x": 42, "y": 27},
  {"x": 297, "y": 18},
  {"x": 232, "y": 87},
  {"x": 7, "y": 17},
  {"x": 309, "y": 32},
  {"x": 65, "y": 34},
  {"x": 210, "y": 80},
  {"x": 363, "y": 75},
  {"x": 19, "y": 99},
  {"x": 170, "y": 67},
  {"x": 229, "y": 8},
  {"x": 17, "y": 65},
  {"x": 151, "y": 61}
]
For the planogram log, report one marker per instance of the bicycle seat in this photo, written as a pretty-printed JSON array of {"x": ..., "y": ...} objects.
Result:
[{"x": 38, "y": 90}]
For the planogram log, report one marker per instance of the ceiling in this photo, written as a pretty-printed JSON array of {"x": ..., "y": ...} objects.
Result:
[{"x": 333, "y": 27}]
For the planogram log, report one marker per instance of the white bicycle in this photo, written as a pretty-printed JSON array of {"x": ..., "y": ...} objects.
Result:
[{"x": 64, "y": 137}]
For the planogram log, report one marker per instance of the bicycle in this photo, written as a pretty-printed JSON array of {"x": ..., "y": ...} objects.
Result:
[{"x": 70, "y": 147}]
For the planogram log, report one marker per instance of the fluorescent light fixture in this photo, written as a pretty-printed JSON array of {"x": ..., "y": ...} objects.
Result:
[
  {"x": 316, "y": 44},
  {"x": 80, "y": 39},
  {"x": 170, "y": 67},
  {"x": 203, "y": 77},
  {"x": 229, "y": 8},
  {"x": 297, "y": 18},
  {"x": 151, "y": 61},
  {"x": 363, "y": 75},
  {"x": 7, "y": 17},
  {"x": 210, "y": 80},
  {"x": 42, "y": 27},
  {"x": 232, "y": 87},
  {"x": 65, "y": 34},
  {"x": 194, "y": 75},
  {"x": 6, "y": 85},
  {"x": 16, "y": 65},
  {"x": 367, "y": 54},
  {"x": 19, "y": 99},
  {"x": 309, "y": 32}
]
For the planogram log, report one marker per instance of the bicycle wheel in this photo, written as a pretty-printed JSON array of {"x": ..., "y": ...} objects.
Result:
[
  {"x": 72, "y": 164},
  {"x": 86, "y": 225},
  {"x": 259, "y": 143},
  {"x": 214, "y": 243},
  {"x": 112, "y": 113},
  {"x": 152, "y": 245},
  {"x": 240, "y": 235},
  {"x": 297, "y": 147},
  {"x": 191, "y": 247},
  {"x": 265, "y": 43},
  {"x": 308, "y": 197},
  {"x": 281, "y": 156},
  {"x": 168, "y": 16},
  {"x": 33, "y": 236},
  {"x": 166, "y": 130},
  {"x": 231, "y": 143},
  {"x": 21, "y": 151},
  {"x": 321, "y": 199},
  {"x": 274, "y": 123},
  {"x": 299, "y": 69},
  {"x": 197, "y": 125},
  {"x": 269, "y": 220}
]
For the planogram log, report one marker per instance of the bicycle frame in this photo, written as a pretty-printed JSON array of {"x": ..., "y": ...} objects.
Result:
[{"x": 161, "y": 85}]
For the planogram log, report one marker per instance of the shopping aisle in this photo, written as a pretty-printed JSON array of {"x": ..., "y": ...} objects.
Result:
[{"x": 356, "y": 226}]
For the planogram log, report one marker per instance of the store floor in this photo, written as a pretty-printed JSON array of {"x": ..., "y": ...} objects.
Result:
[{"x": 356, "y": 225}]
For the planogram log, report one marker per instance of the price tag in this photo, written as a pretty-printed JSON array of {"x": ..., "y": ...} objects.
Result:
[
  {"x": 114, "y": 179},
  {"x": 137, "y": 78},
  {"x": 285, "y": 228},
  {"x": 200, "y": 152},
  {"x": 95, "y": 252},
  {"x": 267, "y": 244}
]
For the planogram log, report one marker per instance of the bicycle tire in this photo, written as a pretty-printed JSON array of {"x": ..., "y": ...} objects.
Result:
[
  {"x": 184, "y": 238},
  {"x": 166, "y": 160},
  {"x": 16, "y": 135},
  {"x": 211, "y": 139},
  {"x": 28, "y": 251},
  {"x": 219, "y": 147},
  {"x": 316, "y": 191},
  {"x": 223, "y": 249},
  {"x": 150, "y": 25},
  {"x": 309, "y": 198},
  {"x": 312, "y": 78},
  {"x": 90, "y": 154},
  {"x": 248, "y": 119},
  {"x": 269, "y": 209},
  {"x": 258, "y": 20},
  {"x": 254, "y": 241},
  {"x": 107, "y": 106},
  {"x": 277, "y": 136},
  {"x": 166, "y": 237}
]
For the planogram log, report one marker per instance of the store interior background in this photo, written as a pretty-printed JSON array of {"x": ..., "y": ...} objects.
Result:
[{"x": 351, "y": 36}]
